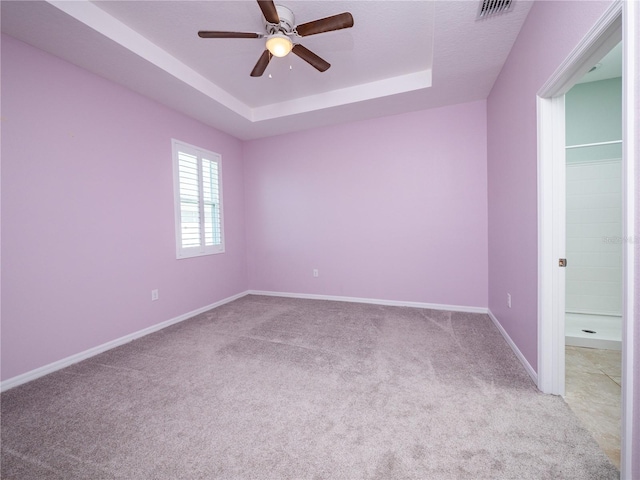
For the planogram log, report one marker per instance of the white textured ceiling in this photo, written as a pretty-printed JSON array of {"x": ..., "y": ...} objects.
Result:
[
  {"x": 357, "y": 55},
  {"x": 399, "y": 56}
]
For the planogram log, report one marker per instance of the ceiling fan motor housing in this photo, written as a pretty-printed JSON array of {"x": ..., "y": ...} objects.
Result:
[{"x": 287, "y": 21}]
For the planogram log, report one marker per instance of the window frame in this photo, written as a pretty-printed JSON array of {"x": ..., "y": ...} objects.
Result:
[{"x": 202, "y": 249}]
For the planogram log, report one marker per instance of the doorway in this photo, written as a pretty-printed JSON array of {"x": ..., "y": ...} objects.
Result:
[
  {"x": 593, "y": 301},
  {"x": 551, "y": 206}
]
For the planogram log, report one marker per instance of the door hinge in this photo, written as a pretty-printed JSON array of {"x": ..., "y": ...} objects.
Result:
[{"x": 562, "y": 262}]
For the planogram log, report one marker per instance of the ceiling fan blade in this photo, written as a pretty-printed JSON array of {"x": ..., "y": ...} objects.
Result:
[
  {"x": 209, "y": 34},
  {"x": 311, "y": 58},
  {"x": 261, "y": 66},
  {"x": 336, "y": 22},
  {"x": 269, "y": 11}
]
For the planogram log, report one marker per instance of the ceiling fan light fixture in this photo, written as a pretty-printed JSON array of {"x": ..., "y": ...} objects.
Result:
[{"x": 279, "y": 45}]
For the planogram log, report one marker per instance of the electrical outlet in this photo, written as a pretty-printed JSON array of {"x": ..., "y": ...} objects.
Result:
[
  {"x": 315, "y": 272},
  {"x": 154, "y": 295},
  {"x": 509, "y": 300}
]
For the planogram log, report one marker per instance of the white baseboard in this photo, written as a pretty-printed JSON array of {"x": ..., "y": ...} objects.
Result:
[
  {"x": 527, "y": 366},
  {"x": 374, "y": 301},
  {"x": 65, "y": 362}
]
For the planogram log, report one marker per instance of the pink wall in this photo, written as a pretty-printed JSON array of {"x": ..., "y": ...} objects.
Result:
[
  {"x": 392, "y": 208},
  {"x": 552, "y": 30},
  {"x": 87, "y": 212}
]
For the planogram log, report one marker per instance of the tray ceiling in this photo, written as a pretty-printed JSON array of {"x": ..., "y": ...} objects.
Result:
[{"x": 399, "y": 56}]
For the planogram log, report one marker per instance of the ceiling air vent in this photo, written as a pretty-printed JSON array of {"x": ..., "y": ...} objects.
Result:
[{"x": 489, "y": 8}]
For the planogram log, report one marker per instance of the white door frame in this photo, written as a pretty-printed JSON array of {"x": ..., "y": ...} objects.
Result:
[{"x": 620, "y": 22}]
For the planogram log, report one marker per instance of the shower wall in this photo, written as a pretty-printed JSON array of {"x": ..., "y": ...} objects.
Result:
[
  {"x": 594, "y": 230},
  {"x": 594, "y": 198}
]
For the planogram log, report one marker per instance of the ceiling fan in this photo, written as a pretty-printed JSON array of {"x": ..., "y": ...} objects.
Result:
[{"x": 280, "y": 29}]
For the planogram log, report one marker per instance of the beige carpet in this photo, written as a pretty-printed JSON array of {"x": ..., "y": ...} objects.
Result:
[{"x": 271, "y": 388}]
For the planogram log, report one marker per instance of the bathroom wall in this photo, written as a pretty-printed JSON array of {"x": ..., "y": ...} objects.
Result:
[{"x": 594, "y": 198}]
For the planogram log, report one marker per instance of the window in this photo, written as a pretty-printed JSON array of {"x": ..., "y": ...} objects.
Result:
[{"x": 198, "y": 200}]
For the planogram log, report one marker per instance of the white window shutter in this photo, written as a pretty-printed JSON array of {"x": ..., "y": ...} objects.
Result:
[{"x": 198, "y": 200}]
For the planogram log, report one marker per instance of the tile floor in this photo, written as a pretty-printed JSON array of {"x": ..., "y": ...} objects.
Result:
[{"x": 592, "y": 391}]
